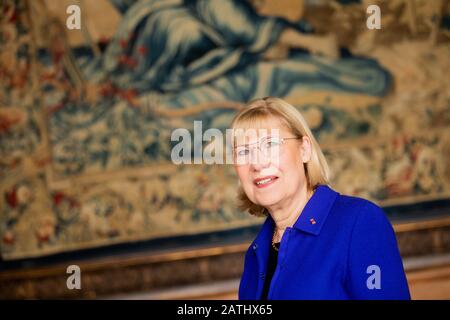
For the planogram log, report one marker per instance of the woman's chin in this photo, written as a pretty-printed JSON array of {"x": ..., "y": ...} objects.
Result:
[{"x": 268, "y": 200}]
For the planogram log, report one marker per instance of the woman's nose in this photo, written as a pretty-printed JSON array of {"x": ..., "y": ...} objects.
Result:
[{"x": 258, "y": 160}]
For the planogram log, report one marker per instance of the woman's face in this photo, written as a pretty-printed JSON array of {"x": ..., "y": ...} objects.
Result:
[{"x": 269, "y": 181}]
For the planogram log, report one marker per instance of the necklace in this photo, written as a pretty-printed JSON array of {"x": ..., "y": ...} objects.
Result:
[
  {"x": 275, "y": 231},
  {"x": 273, "y": 239}
]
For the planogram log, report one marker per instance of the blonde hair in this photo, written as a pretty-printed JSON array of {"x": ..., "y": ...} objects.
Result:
[{"x": 254, "y": 114}]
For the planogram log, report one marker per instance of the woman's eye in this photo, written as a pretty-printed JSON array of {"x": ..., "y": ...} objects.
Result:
[
  {"x": 242, "y": 152},
  {"x": 270, "y": 144}
]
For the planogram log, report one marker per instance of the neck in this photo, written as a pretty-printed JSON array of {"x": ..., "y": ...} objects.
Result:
[{"x": 286, "y": 214}]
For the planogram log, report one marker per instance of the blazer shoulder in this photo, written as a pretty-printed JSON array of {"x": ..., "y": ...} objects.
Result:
[
  {"x": 362, "y": 210},
  {"x": 357, "y": 202}
]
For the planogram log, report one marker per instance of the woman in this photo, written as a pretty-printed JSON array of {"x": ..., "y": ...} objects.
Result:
[{"x": 315, "y": 243}]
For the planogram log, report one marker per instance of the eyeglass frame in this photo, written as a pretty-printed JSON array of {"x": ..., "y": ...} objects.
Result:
[{"x": 258, "y": 143}]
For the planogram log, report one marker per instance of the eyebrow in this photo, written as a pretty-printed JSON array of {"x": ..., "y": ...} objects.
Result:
[{"x": 248, "y": 144}]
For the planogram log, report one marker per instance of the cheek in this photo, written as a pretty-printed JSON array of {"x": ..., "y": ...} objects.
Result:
[
  {"x": 291, "y": 166},
  {"x": 242, "y": 173}
]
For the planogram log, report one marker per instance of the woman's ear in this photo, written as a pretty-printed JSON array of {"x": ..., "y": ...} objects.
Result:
[{"x": 306, "y": 147}]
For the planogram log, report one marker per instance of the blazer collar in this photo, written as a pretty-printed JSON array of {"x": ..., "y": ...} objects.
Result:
[
  {"x": 310, "y": 220},
  {"x": 316, "y": 210}
]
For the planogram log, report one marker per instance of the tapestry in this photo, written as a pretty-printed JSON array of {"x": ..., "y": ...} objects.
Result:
[{"x": 87, "y": 116}]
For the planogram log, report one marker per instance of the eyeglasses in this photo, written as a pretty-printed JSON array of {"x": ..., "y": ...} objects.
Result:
[{"x": 270, "y": 147}]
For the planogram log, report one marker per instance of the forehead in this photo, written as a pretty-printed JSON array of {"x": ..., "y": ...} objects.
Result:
[{"x": 249, "y": 132}]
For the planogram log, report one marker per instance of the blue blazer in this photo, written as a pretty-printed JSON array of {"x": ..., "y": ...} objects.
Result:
[{"x": 340, "y": 247}]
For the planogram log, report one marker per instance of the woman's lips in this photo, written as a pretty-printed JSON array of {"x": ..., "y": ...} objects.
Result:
[{"x": 264, "y": 182}]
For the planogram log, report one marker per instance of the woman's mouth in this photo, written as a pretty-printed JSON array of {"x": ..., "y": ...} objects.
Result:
[{"x": 264, "y": 181}]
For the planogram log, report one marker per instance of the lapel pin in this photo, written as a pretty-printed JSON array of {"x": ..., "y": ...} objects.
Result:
[{"x": 312, "y": 221}]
